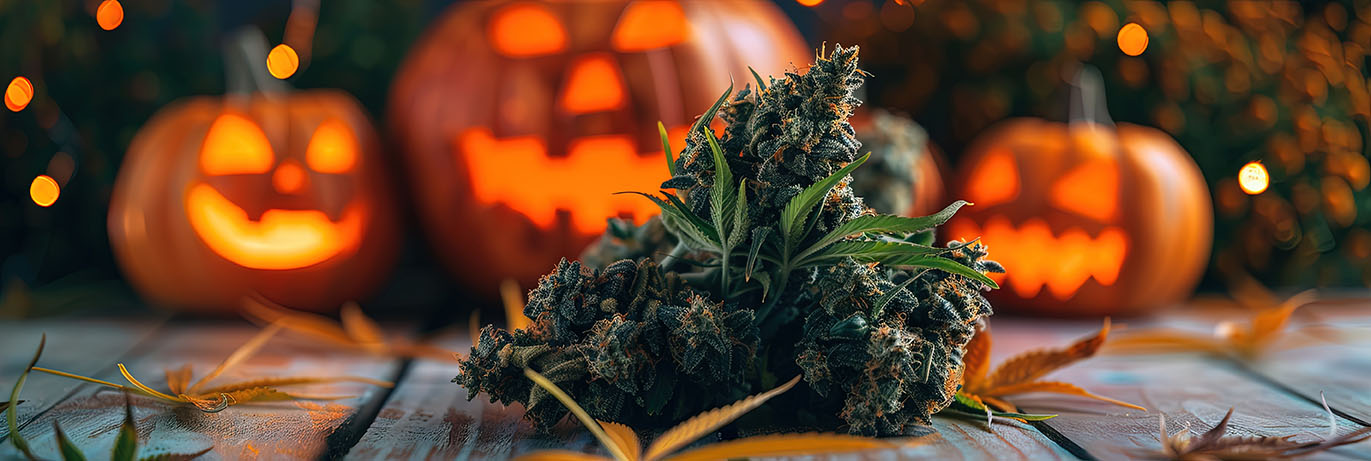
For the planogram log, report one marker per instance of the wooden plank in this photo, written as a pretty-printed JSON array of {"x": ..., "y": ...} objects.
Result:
[
  {"x": 1190, "y": 390},
  {"x": 77, "y": 344},
  {"x": 1333, "y": 358},
  {"x": 282, "y": 430},
  {"x": 429, "y": 417}
]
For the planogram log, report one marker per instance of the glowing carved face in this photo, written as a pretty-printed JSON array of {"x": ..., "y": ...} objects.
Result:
[
  {"x": 1051, "y": 218},
  {"x": 236, "y": 154},
  {"x": 577, "y": 171}
]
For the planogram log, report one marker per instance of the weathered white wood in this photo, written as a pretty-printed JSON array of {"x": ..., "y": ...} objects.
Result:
[
  {"x": 280, "y": 430},
  {"x": 87, "y": 344}
]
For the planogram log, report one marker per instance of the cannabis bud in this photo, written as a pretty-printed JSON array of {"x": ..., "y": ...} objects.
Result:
[
  {"x": 889, "y": 355},
  {"x": 763, "y": 264},
  {"x": 626, "y": 341}
]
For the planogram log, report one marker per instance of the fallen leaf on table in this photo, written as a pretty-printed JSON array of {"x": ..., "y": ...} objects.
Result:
[
  {"x": 623, "y": 443},
  {"x": 212, "y": 399},
  {"x": 125, "y": 444},
  {"x": 983, "y": 391},
  {"x": 1213, "y": 445},
  {"x": 353, "y": 330},
  {"x": 1246, "y": 341}
]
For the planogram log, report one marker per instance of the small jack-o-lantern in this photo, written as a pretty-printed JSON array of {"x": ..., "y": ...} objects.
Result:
[
  {"x": 259, "y": 192},
  {"x": 520, "y": 120},
  {"x": 1087, "y": 218}
]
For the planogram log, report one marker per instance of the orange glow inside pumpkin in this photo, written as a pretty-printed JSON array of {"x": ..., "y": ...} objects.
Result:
[
  {"x": 996, "y": 179},
  {"x": 1091, "y": 189},
  {"x": 289, "y": 178},
  {"x": 332, "y": 148},
  {"x": 518, "y": 172},
  {"x": 1035, "y": 257},
  {"x": 281, "y": 239},
  {"x": 527, "y": 29},
  {"x": 650, "y": 24},
  {"x": 235, "y": 145},
  {"x": 594, "y": 85}
]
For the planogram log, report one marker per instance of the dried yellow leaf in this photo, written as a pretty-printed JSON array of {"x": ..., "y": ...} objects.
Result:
[
  {"x": 179, "y": 379},
  {"x": 977, "y": 358},
  {"x": 559, "y": 455},
  {"x": 694, "y": 428},
  {"x": 1056, "y": 387},
  {"x": 363, "y": 331},
  {"x": 783, "y": 445},
  {"x": 625, "y": 438},
  {"x": 985, "y": 391},
  {"x": 1035, "y": 364}
]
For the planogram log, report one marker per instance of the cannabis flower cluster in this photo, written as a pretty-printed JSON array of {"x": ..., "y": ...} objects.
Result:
[{"x": 764, "y": 264}]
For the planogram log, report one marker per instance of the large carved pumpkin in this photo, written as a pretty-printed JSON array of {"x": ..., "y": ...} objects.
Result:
[
  {"x": 271, "y": 192},
  {"x": 1087, "y": 218},
  {"x": 520, "y": 120}
]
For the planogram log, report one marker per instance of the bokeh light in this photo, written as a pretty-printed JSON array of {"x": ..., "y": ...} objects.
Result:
[
  {"x": 44, "y": 190},
  {"x": 282, "y": 62},
  {"x": 1132, "y": 39},
  {"x": 18, "y": 94},
  {"x": 1253, "y": 178},
  {"x": 809, "y": 2},
  {"x": 110, "y": 14}
]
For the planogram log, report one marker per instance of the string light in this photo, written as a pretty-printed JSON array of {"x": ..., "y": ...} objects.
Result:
[
  {"x": 44, "y": 190},
  {"x": 110, "y": 14},
  {"x": 1132, "y": 39},
  {"x": 1253, "y": 178},
  {"x": 18, "y": 94},
  {"x": 282, "y": 62}
]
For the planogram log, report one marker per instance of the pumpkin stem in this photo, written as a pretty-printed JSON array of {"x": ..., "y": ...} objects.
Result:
[
  {"x": 1087, "y": 98},
  {"x": 245, "y": 65}
]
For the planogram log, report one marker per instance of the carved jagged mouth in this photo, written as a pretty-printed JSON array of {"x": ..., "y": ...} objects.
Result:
[
  {"x": 518, "y": 172},
  {"x": 1035, "y": 257},
  {"x": 280, "y": 239}
]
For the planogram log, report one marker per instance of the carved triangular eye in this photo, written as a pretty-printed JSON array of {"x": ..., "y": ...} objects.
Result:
[
  {"x": 332, "y": 149},
  {"x": 525, "y": 30},
  {"x": 995, "y": 180},
  {"x": 235, "y": 145},
  {"x": 593, "y": 85},
  {"x": 649, "y": 24},
  {"x": 1091, "y": 189}
]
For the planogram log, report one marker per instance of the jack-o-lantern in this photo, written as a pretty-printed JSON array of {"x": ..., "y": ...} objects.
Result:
[
  {"x": 520, "y": 120},
  {"x": 1087, "y": 218},
  {"x": 268, "y": 192}
]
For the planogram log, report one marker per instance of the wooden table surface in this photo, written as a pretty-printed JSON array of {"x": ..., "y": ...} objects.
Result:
[{"x": 425, "y": 416}]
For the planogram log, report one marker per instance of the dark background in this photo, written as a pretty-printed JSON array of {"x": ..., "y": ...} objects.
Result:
[{"x": 95, "y": 88}]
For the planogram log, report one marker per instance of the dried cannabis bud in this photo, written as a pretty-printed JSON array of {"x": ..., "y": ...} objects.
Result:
[
  {"x": 892, "y": 354},
  {"x": 775, "y": 268},
  {"x": 626, "y": 342}
]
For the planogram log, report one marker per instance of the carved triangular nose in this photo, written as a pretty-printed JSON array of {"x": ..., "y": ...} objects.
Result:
[{"x": 593, "y": 85}]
